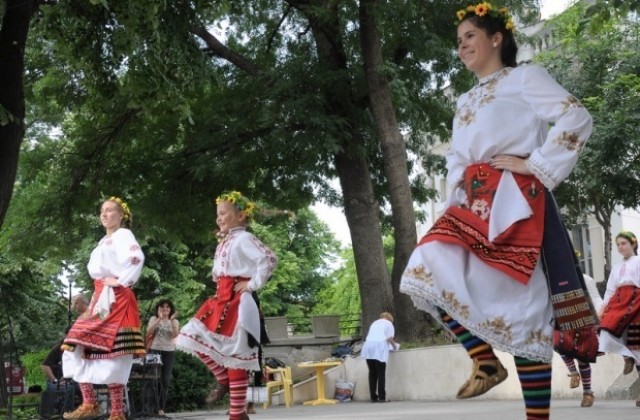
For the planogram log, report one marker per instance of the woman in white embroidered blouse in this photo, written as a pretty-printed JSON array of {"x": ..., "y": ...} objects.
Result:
[
  {"x": 620, "y": 313},
  {"x": 102, "y": 343},
  {"x": 478, "y": 269},
  {"x": 225, "y": 331}
]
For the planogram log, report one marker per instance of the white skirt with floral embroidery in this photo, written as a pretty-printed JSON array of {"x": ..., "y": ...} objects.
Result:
[{"x": 508, "y": 315}]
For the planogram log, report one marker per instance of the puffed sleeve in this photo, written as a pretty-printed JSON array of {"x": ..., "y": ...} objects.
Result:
[
  {"x": 612, "y": 284},
  {"x": 129, "y": 256},
  {"x": 455, "y": 168},
  {"x": 265, "y": 260},
  {"x": 553, "y": 161}
]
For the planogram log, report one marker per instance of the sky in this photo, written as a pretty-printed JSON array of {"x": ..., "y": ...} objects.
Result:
[{"x": 334, "y": 217}]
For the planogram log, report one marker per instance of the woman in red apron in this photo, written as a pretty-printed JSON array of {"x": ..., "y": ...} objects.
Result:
[
  {"x": 225, "y": 331},
  {"x": 103, "y": 342}
]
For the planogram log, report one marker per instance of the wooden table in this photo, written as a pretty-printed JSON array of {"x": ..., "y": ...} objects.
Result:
[{"x": 320, "y": 368}]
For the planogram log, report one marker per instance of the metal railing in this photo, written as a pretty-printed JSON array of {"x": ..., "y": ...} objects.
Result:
[{"x": 348, "y": 325}]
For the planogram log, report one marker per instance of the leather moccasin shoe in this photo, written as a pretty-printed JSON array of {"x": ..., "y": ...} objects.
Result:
[{"x": 480, "y": 382}]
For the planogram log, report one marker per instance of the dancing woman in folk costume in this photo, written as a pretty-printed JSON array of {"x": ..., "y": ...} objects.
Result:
[
  {"x": 620, "y": 314},
  {"x": 103, "y": 342},
  {"x": 225, "y": 331},
  {"x": 488, "y": 266}
]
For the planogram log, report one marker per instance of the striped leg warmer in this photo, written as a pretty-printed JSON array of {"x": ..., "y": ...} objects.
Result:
[
  {"x": 585, "y": 374},
  {"x": 535, "y": 381},
  {"x": 571, "y": 364},
  {"x": 220, "y": 372},
  {"x": 476, "y": 348},
  {"x": 238, "y": 383}
]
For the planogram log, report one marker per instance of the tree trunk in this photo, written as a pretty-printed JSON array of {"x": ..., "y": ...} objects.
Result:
[
  {"x": 13, "y": 38},
  {"x": 360, "y": 205},
  {"x": 395, "y": 165},
  {"x": 4, "y": 395},
  {"x": 361, "y": 211}
]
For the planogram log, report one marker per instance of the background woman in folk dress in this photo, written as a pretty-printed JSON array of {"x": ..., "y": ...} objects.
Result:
[
  {"x": 102, "y": 343},
  {"x": 225, "y": 332},
  {"x": 486, "y": 267},
  {"x": 620, "y": 313}
]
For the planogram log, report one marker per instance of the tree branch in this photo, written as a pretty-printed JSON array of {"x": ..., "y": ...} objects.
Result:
[
  {"x": 275, "y": 30},
  {"x": 218, "y": 49}
]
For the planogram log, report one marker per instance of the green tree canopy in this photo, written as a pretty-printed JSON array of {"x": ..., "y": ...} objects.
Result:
[{"x": 601, "y": 68}]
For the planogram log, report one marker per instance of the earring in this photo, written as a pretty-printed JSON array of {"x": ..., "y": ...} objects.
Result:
[{"x": 495, "y": 44}]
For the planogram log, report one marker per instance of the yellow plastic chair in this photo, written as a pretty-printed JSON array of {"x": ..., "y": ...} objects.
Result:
[{"x": 281, "y": 379}]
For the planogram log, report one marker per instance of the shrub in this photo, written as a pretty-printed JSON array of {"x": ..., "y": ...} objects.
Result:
[{"x": 190, "y": 384}]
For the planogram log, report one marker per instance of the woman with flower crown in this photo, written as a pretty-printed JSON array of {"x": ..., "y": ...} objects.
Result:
[
  {"x": 225, "y": 331},
  {"x": 102, "y": 343},
  {"x": 487, "y": 267},
  {"x": 620, "y": 313}
]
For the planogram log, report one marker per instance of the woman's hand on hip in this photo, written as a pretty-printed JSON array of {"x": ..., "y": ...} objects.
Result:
[
  {"x": 510, "y": 163},
  {"x": 241, "y": 287},
  {"x": 112, "y": 281}
]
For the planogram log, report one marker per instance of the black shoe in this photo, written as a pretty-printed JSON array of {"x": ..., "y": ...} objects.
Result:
[{"x": 384, "y": 400}]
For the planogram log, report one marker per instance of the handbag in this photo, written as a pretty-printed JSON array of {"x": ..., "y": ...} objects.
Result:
[
  {"x": 581, "y": 343},
  {"x": 148, "y": 339}
]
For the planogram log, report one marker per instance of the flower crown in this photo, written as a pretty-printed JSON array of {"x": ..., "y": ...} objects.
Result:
[
  {"x": 629, "y": 236},
  {"x": 485, "y": 8},
  {"x": 239, "y": 200},
  {"x": 123, "y": 205}
]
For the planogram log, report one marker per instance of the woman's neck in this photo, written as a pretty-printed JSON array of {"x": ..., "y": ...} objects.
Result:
[{"x": 111, "y": 230}]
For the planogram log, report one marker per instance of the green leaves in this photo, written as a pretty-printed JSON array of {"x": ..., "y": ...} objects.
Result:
[{"x": 601, "y": 68}]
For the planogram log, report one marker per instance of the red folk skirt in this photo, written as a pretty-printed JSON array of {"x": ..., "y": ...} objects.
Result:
[
  {"x": 116, "y": 335},
  {"x": 219, "y": 313},
  {"x": 623, "y": 312}
]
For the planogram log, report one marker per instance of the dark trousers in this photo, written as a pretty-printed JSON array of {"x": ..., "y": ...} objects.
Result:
[
  {"x": 377, "y": 370},
  {"x": 167, "y": 358}
]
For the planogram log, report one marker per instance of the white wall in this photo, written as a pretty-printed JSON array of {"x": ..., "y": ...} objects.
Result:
[{"x": 436, "y": 373}]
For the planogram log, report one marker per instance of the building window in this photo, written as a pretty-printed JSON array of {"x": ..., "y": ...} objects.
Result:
[
  {"x": 582, "y": 245},
  {"x": 443, "y": 189}
]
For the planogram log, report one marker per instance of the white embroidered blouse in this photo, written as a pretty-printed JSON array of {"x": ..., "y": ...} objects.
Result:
[
  {"x": 627, "y": 273},
  {"x": 509, "y": 112},
  {"x": 119, "y": 256},
  {"x": 241, "y": 254},
  {"x": 522, "y": 112}
]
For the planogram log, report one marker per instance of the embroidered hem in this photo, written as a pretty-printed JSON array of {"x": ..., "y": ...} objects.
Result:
[
  {"x": 429, "y": 303},
  {"x": 227, "y": 351}
]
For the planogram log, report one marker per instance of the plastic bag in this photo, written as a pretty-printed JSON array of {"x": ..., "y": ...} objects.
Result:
[{"x": 344, "y": 390}]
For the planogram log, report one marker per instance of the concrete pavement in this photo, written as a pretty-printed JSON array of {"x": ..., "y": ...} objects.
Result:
[{"x": 445, "y": 410}]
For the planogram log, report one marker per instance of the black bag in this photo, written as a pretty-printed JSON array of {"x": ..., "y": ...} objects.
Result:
[
  {"x": 274, "y": 363},
  {"x": 342, "y": 351}
]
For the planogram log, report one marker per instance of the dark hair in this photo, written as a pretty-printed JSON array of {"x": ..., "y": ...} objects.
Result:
[
  {"x": 492, "y": 25},
  {"x": 629, "y": 236},
  {"x": 165, "y": 302}
]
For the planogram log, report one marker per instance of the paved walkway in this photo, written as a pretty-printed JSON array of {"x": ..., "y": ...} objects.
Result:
[{"x": 446, "y": 410}]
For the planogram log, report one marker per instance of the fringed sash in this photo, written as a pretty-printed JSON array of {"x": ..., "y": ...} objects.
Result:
[
  {"x": 115, "y": 335},
  {"x": 576, "y": 321},
  {"x": 516, "y": 250},
  {"x": 572, "y": 307}
]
